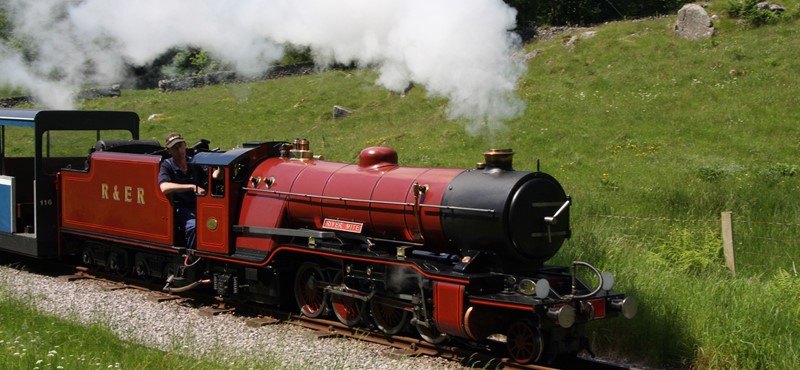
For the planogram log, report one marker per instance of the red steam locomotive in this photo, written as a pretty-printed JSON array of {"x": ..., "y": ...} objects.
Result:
[{"x": 450, "y": 253}]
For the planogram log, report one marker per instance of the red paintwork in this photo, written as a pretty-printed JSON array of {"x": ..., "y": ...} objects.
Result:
[
  {"x": 214, "y": 217},
  {"x": 448, "y": 308},
  {"x": 119, "y": 196},
  {"x": 215, "y": 240},
  {"x": 511, "y": 306},
  {"x": 266, "y": 209},
  {"x": 377, "y": 156},
  {"x": 351, "y": 192},
  {"x": 311, "y": 180},
  {"x": 599, "y": 308}
]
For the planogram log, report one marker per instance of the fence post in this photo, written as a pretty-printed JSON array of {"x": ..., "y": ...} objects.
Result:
[{"x": 727, "y": 241}]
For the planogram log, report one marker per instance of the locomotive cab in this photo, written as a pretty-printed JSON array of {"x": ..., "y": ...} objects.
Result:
[{"x": 217, "y": 210}]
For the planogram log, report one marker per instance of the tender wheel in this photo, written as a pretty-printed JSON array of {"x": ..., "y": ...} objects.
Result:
[
  {"x": 389, "y": 319},
  {"x": 347, "y": 309},
  {"x": 87, "y": 257},
  {"x": 310, "y": 297},
  {"x": 142, "y": 270},
  {"x": 117, "y": 264},
  {"x": 524, "y": 341}
]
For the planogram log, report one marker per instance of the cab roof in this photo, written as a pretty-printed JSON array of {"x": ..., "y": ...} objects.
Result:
[{"x": 46, "y": 120}]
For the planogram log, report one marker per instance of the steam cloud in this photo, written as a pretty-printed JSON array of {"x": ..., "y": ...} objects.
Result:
[{"x": 457, "y": 49}]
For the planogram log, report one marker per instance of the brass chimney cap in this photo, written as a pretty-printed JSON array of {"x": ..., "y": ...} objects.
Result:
[{"x": 498, "y": 158}]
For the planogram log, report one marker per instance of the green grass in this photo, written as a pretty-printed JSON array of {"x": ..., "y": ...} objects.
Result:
[
  {"x": 653, "y": 136},
  {"x": 32, "y": 340}
]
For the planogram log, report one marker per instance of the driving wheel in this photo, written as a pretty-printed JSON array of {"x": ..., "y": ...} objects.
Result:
[
  {"x": 310, "y": 296},
  {"x": 430, "y": 333},
  {"x": 389, "y": 319},
  {"x": 347, "y": 309},
  {"x": 524, "y": 342}
]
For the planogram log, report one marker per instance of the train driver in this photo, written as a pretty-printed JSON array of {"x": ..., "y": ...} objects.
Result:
[{"x": 184, "y": 181}]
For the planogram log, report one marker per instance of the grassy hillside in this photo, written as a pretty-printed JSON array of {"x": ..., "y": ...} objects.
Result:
[{"x": 652, "y": 135}]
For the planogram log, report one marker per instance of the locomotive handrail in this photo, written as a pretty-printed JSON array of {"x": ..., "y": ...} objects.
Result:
[
  {"x": 282, "y": 232},
  {"x": 574, "y": 294},
  {"x": 452, "y": 208}
]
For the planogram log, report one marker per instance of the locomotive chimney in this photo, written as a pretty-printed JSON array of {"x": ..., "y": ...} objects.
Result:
[{"x": 497, "y": 158}]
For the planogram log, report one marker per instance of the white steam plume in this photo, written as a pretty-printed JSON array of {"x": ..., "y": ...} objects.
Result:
[{"x": 458, "y": 49}]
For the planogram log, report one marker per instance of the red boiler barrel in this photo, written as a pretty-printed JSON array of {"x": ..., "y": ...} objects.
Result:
[{"x": 375, "y": 198}]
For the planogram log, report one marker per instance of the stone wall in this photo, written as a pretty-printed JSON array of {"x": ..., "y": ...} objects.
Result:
[
  {"x": 216, "y": 78},
  {"x": 110, "y": 92}
]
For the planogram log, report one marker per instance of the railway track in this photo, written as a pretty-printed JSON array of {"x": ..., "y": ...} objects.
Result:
[{"x": 259, "y": 315}]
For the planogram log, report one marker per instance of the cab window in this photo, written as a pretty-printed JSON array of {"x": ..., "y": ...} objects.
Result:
[{"x": 217, "y": 182}]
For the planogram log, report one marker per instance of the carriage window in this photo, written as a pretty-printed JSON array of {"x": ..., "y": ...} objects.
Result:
[{"x": 18, "y": 141}]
